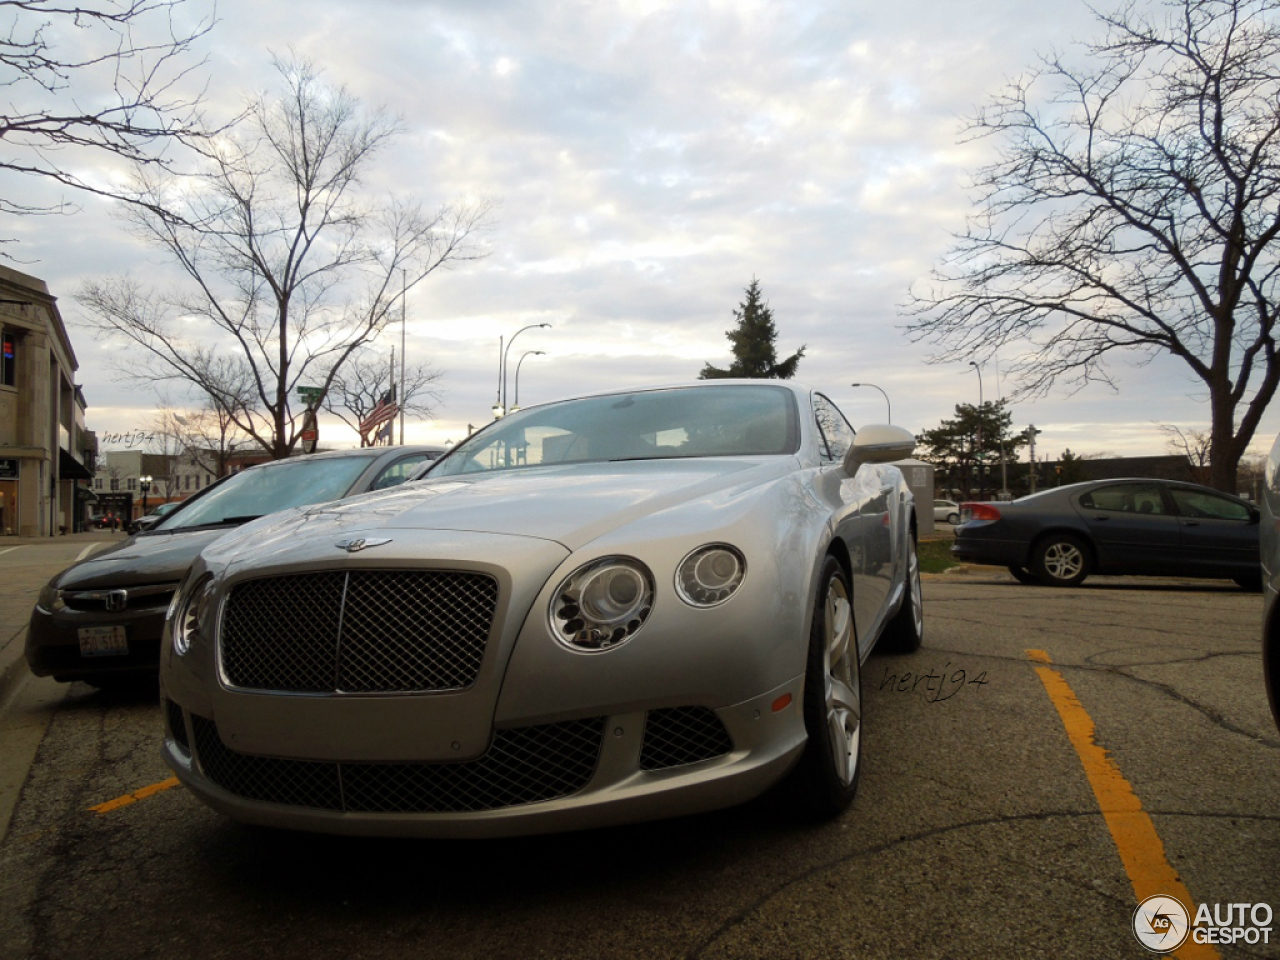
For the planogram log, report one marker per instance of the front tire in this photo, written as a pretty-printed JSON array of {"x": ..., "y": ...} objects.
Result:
[
  {"x": 1061, "y": 560},
  {"x": 905, "y": 632},
  {"x": 953, "y": 518},
  {"x": 826, "y": 778}
]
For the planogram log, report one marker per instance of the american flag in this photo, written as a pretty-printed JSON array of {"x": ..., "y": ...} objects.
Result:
[{"x": 384, "y": 411}]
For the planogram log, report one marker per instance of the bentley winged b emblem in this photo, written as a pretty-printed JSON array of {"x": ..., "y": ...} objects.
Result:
[{"x": 359, "y": 543}]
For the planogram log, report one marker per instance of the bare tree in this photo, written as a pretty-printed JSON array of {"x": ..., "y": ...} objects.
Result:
[
  {"x": 101, "y": 75},
  {"x": 1132, "y": 207},
  {"x": 1195, "y": 445},
  {"x": 207, "y": 439},
  {"x": 366, "y": 378},
  {"x": 286, "y": 262}
]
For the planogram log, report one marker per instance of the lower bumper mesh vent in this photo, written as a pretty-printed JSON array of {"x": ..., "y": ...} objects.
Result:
[
  {"x": 527, "y": 765},
  {"x": 177, "y": 728},
  {"x": 676, "y": 736}
]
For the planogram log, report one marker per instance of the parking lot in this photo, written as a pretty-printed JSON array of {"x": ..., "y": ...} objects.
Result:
[{"x": 1045, "y": 758}]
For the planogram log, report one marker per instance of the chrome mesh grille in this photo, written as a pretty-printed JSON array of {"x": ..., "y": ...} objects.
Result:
[
  {"x": 526, "y": 765},
  {"x": 363, "y": 631},
  {"x": 678, "y": 735}
]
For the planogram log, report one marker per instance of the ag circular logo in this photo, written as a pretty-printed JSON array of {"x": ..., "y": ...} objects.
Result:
[{"x": 1161, "y": 924}]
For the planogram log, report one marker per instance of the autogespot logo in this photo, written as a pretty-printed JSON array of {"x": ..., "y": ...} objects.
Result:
[{"x": 1161, "y": 924}]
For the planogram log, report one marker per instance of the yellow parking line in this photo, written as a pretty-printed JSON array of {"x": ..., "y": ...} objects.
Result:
[
  {"x": 142, "y": 794},
  {"x": 1131, "y": 828}
]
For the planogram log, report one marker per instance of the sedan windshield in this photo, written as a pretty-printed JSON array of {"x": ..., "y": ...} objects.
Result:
[
  {"x": 258, "y": 491},
  {"x": 711, "y": 421}
]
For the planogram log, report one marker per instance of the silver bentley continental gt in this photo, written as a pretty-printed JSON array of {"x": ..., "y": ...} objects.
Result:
[{"x": 620, "y": 607}]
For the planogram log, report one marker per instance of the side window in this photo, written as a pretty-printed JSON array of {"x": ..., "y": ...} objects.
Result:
[
  {"x": 837, "y": 435},
  {"x": 1125, "y": 498},
  {"x": 1197, "y": 503},
  {"x": 397, "y": 472}
]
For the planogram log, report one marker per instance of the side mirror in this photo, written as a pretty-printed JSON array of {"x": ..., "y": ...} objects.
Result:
[{"x": 879, "y": 443}]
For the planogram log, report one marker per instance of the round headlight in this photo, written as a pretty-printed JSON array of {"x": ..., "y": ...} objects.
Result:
[
  {"x": 710, "y": 575},
  {"x": 602, "y": 604},
  {"x": 187, "y": 611}
]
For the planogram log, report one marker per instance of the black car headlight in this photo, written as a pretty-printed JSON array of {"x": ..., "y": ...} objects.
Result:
[
  {"x": 710, "y": 575},
  {"x": 188, "y": 610},
  {"x": 50, "y": 598},
  {"x": 602, "y": 604}
]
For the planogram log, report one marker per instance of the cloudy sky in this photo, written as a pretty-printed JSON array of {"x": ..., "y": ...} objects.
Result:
[{"x": 651, "y": 157}]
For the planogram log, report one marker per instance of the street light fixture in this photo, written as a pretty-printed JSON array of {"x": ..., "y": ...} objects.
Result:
[
  {"x": 535, "y": 353},
  {"x": 887, "y": 407},
  {"x": 144, "y": 484},
  {"x": 502, "y": 368}
]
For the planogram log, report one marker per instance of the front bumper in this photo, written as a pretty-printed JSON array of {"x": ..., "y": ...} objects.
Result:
[
  {"x": 52, "y": 646},
  {"x": 574, "y": 774}
]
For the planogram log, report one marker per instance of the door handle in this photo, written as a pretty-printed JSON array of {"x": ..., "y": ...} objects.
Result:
[{"x": 1102, "y": 517}]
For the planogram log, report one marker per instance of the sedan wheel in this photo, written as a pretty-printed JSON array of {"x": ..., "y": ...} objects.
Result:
[
  {"x": 826, "y": 777},
  {"x": 1023, "y": 575},
  {"x": 953, "y": 518},
  {"x": 1061, "y": 560}
]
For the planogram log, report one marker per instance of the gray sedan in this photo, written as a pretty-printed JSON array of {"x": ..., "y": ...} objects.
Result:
[
  {"x": 100, "y": 619},
  {"x": 612, "y": 608},
  {"x": 1135, "y": 526}
]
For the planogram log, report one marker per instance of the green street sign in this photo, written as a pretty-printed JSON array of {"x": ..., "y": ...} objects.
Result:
[{"x": 310, "y": 395}]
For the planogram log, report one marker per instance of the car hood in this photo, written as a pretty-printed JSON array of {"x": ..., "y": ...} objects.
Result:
[
  {"x": 570, "y": 505},
  {"x": 153, "y": 558}
]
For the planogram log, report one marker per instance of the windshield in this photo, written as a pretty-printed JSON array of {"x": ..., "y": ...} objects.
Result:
[
  {"x": 649, "y": 425},
  {"x": 258, "y": 491}
]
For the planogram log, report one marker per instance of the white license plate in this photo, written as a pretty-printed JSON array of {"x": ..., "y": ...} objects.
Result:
[{"x": 103, "y": 642}]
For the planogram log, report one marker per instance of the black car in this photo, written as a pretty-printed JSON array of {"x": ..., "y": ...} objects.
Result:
[
  {"x": 1137, "y": 526},
  {"x": 100, "y": 620}
]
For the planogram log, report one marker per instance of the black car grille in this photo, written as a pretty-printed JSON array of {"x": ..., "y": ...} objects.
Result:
[
  {"x": 522, "y": 766},
  {"x": 363, "y": 631},
  {"x": 151, "y": 597},
  {"x": 678, "y": 735}
]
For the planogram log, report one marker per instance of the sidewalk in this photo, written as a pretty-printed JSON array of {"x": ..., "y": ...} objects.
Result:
[{"x": 19, "y": 587}]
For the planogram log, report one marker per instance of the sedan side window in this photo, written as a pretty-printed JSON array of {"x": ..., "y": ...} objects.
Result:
[
  {"x": 1125, "y": 498},
  {"x": 397, "y": 472},
  {"x": 837, "y": 435},
  {"x": 1197, "y": 503}
]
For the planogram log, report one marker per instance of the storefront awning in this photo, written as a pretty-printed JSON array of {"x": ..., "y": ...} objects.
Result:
[{"x": 69, "y": 468}]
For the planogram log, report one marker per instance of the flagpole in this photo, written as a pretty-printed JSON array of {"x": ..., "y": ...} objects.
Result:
[{"x": 404, "y": 322}]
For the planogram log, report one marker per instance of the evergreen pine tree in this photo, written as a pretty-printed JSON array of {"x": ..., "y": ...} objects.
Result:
[{"x": 753, "y": 351}]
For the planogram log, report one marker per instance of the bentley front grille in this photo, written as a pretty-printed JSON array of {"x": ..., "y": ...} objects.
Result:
[
  {"x": 362, "y": 631},
  {"x": 675, "y": 736},
  {"x": 522, "y": 766}
]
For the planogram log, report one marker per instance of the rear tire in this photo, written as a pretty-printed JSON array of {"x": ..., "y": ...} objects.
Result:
[
  {"x": 826, "y": 777},
  {"x": 1023, "y": 575},
  {"x": 1061, "y": 560}
]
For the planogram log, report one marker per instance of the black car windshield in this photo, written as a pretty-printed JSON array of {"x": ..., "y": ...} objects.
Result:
[
  {"x": 683, "y": 422},
  {"x": 261, "y": 490}
]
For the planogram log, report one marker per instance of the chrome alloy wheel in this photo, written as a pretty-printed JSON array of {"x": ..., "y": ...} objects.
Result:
[
  {"x": 1064, "y": 560},
  {"x": 841, "y": 688}
]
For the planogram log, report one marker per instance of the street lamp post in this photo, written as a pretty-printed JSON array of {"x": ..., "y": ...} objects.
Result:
[
  {"x": 144, "y": 484},
  {"x": 887, "y": 407},
  {"x": 502, "y": 372},
  {"x": 981, "y": 486},
  {"x": 535, "y": 353}
]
